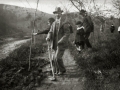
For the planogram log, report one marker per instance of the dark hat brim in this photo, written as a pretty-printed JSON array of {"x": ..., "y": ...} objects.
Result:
[{"x": 57, "y": 11}]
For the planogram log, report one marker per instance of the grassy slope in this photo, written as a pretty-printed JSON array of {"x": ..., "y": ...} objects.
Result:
[{"x": 17, "y": 21}]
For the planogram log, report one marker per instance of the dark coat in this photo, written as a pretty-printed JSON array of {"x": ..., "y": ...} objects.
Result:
[
  {"x": 80, "y": 35},
  {"x": 88, "y": 24},
  {"x": 112, "y": 28},
  {"x": 61, "y": 39},
  {"x": 44, "y": 31}
]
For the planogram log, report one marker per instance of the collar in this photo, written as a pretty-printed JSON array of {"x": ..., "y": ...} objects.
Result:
[
  {"x": 80, "y": 27},
  {"x": 58, "y": 19}
]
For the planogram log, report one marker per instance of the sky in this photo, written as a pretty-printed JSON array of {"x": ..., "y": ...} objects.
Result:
[{"x": 48, "y": 6}]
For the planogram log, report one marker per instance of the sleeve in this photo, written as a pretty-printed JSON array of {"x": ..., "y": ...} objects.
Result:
[
  {"x": 83, "y": 32},
  {"x": 50, "y": 32},
  {"x": 85, "y": 23},
  {"x": 90, "y": 20},
  {"x": 88, "y": 24},
  {"x": 44, "y": 31},
  {"x": 114, "y": 27},
  {"x": 66, "y": 34}
]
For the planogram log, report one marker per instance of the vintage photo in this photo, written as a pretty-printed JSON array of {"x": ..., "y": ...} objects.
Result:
[{"x": 59, "y": 44}]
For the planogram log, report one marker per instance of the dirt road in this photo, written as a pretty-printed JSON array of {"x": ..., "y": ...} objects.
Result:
[
  {"x": 7, "y": 48},
  {"x": 69, "y": 81}
]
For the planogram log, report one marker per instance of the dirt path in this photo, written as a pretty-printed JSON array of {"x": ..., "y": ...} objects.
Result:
[
  {"x": 7, "y": 48},
  {"x": 69, "y": 81}
]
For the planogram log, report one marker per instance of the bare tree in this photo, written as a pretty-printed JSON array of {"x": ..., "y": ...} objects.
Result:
[
  {"x": 66, "y": 6},
  {"x": 116, "y": 5},
  {"x": 89, "y": 5},
  {"x": 79, "y": 4},
  {"x": 92, "y": 7}
]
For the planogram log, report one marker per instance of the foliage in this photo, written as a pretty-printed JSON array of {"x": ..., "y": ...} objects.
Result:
[
  {"x": 14, "y": 74},
  {"x": 101, "y": 64}
]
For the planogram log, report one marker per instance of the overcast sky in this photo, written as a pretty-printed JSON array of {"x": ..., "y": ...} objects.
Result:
[{"x": 49, "y": 5}]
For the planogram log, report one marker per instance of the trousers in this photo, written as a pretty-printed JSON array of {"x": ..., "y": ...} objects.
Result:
[
  {"x": 87, "y": 40},
  {"x": 58, "y": 64}
]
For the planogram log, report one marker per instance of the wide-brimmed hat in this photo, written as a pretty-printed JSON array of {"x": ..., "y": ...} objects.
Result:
[
  {"x": 82, "y": 11},
  {"x": 57, "y": 9}
]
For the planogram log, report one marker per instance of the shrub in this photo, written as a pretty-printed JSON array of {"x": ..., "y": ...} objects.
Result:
[{"x": 14, "y": 74}]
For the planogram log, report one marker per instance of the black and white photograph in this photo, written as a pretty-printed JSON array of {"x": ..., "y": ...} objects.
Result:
[{"x": 59, "y": 44}]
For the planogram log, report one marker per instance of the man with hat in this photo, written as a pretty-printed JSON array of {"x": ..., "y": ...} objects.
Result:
[
  {"x": 88, "y": 26},
  {"x": 59, "y": 36}
]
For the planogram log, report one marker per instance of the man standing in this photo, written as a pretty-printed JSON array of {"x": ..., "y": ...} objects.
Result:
[
  {"x": 59, "y": 36},
  {"x": 88, "y": 25}
]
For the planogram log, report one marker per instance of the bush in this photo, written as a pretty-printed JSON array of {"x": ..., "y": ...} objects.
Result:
[
  {"x": 102, "y": 63},
  {"x": 14, "y": 74}
]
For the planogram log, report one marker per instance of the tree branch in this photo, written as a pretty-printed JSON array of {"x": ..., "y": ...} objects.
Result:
[{"x": 74, "y": 5}]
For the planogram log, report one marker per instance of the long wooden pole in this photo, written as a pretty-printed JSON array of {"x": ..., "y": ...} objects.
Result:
[
  {"x": 35, "y": 20},
  {"x": 32, "y": 37}
]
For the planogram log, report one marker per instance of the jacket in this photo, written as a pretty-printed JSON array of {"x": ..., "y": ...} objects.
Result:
[
  {"x": 80, "y": 34},
  {"x": 44, "y": 31},
  {"x": 61, "y": 39},
  {"x": 88, "y": 24},
  {"x": 112, "y": 28}
]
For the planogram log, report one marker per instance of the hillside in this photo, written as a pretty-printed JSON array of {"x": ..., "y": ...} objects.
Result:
[
  {"x": 17, "y": 21},
  {"x": 92, "y": 69}
]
